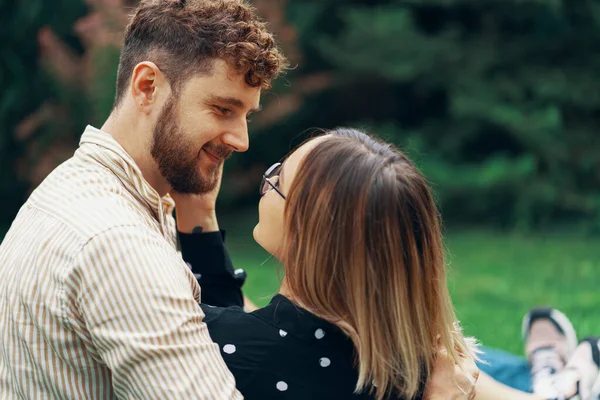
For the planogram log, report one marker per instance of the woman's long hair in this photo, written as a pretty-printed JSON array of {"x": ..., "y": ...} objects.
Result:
[{"x": 363, "y": 249}]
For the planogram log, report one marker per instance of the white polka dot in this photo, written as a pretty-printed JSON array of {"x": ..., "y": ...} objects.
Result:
[
  {"x": 282, "y": 386},
  {"x": 319, "y": 333},
  {"x": 229, "y": 348},
  {"x": 325, "y": 362},
  {"x": 282, "y": 333},
  {"x": 238, "y": 271}
]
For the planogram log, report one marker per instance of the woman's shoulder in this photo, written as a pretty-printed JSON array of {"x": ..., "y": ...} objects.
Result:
[
  {"x": 234, "y": 322},
  {"x": 246, "y": 342},
  {"x": 282, "y": 350},
  {"x": 243, "y": 337}
]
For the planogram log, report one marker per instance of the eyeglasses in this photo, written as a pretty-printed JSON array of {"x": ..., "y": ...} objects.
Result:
[{"x": 270, "y": 180}]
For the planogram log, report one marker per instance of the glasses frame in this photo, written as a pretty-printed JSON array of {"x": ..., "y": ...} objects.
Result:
[{"x": 265, "y": 178}]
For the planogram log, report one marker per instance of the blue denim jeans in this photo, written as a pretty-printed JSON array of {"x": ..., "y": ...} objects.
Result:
[{"x": 507, "y": 368}]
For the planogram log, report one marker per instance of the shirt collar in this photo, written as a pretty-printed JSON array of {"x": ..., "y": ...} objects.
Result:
[
  {"x": 103, "y": 148},
  {"x": 301, "y": 323}
]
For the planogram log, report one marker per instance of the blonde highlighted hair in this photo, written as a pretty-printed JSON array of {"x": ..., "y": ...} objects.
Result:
[{"x": 363, "y": 249}]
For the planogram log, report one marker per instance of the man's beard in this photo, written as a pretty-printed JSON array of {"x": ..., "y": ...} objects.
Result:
[{"x": 176, "y": 156}]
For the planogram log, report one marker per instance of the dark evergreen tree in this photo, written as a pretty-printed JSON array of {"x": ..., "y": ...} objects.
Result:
[{"x": 498, "y": 100}]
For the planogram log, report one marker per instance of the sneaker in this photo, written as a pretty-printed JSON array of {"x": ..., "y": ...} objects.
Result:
[
  {"x": 550, "y": 340},
  {"x": 575, "y": 381}
]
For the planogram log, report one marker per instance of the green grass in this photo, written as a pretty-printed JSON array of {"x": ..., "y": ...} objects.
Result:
[{"x": 494, "y": 278}]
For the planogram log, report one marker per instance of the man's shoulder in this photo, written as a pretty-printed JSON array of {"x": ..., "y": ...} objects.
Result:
[{"x": 88, "y": 199}]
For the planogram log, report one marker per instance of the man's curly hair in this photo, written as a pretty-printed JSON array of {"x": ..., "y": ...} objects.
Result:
[{"x": 184, "y": 37}]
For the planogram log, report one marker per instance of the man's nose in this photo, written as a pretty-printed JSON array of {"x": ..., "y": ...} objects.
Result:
[{"x": 237, "y": 138}]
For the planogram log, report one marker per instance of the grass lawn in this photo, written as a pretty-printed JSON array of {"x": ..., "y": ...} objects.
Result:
[{"x": 494, "y": 278}]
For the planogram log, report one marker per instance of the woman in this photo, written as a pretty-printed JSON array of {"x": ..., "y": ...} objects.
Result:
[
  {"x": 364, "y": 303},
  {"x": 332, "y": 215}
]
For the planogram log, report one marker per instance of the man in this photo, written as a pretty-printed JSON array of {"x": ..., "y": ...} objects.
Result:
[{"x": 96, "y": 302}]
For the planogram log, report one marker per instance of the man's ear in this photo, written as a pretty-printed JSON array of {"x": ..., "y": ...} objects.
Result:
[{"x": 147, "y": 84}]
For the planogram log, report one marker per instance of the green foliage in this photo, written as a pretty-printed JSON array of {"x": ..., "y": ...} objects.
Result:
[
  {"x": 25, "y": 85},
  {"x": 502, "y": 99},
  {"x": 497, "y": 101},
  {"x": 102, "y": 88}
]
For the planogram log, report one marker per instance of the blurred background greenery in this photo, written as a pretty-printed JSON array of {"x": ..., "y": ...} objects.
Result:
[{"x": 498, "y": 101}]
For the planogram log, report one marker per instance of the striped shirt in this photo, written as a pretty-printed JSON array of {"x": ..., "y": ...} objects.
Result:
[{"x": 95, "y": 300}]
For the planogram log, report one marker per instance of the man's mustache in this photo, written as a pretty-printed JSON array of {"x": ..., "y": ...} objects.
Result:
[{"x": 222, "y": 152}]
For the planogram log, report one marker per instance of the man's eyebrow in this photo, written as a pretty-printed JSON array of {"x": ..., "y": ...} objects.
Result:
[{"x": 232, "y": 101}]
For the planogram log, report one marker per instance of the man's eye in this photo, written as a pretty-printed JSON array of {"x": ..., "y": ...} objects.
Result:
[{"x": 223, "y": 110}]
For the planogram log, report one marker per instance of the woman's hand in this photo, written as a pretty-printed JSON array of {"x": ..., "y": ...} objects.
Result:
[
  {"x": 450, "y": 381},
  {"x": 197, "y": 213}
]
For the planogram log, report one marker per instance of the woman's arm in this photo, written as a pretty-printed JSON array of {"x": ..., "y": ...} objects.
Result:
[
  {"x": 490, "y": 389},
  {"x": 203, "y": 248},
  {"x": 209, "y": 260}
]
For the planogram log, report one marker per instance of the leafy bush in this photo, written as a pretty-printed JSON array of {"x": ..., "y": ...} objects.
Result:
[{"x": 499, "y": 101}]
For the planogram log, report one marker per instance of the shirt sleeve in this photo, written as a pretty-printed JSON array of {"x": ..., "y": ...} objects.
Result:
[
  {"x": 209, "y": 260},
  {"x": 137, "y": 311}
]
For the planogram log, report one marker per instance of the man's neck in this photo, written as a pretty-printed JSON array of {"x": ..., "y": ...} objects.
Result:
[{"x": 137, "y": 142}]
